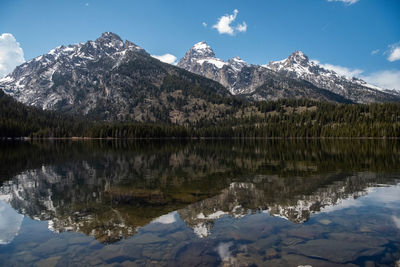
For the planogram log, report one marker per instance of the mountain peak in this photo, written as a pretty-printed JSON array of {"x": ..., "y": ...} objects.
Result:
[
  {"x": 201, "y": 50},
  {"x": 237, "y": 63},
  {"x": 110, "y": 36},
  {"x": 237, "y": 59},
  {"x": 110, "y": 42},
  {"x": 201, "y": 45},
  {"x": 298, "y": 57}
]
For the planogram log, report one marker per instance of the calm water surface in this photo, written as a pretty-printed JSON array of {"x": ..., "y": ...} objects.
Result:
[{"x": 212, "y": 203}]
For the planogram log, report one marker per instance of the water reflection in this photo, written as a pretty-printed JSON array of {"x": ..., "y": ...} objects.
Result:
[
  {"x": 125, "y": 193},
  {"x": 10, "y": 222}
]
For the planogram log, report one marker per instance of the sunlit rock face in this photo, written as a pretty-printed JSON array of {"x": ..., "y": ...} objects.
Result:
[
  {"x": 253, "y": 81},
  {"x": 299, "y": 66},
  {"x": 109, "y": 193},
  {"x": 107, "y": 79},
  {"x": 57, "y": 78},
  {"x": 304, "y": 77}
]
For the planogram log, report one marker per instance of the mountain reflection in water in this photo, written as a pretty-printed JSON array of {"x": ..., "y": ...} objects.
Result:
[{"x": 111, "y": 190}]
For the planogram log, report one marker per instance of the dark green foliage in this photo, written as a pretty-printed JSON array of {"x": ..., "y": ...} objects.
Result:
[
  {"x": 18, "y": 120},
  {"x": 276, "y": 119}
]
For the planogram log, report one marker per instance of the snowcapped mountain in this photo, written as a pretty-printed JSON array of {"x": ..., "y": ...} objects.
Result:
[
  {"x": 294, "y": 77},
  {"x": 112, "y": 79},
  {"x": 201, "y": 59},
  {"x": 299, "y": 66},
  {"x": 253, "y": 81},
  {"x": 107, "y": 79},
  {"x": 42, "y": 81}
]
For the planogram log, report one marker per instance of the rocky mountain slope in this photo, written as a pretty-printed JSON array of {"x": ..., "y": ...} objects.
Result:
[
  {"x": 111, "y": 79},
  {"x": 299, "y": 66},
  {"x": 294, "y": 77}
]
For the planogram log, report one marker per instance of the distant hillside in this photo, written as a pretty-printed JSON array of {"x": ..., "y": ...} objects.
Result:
[
  {"x": 273, "y": 119},
  {"x": 19, "y": 120}
]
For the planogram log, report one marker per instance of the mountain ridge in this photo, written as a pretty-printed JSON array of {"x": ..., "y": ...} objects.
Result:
[
  {"x": 109, "y": 79},
  {"x": 115, "y": 80},
  {"x": 247, "y": 79}
]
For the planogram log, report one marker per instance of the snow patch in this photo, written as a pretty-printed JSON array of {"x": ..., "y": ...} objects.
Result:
[
  {"x": 166, "y": 219},
  {"x": 215, "y": 61},
  {"x": 7, "y": 79},
  {"x": 201, "y": 46}
]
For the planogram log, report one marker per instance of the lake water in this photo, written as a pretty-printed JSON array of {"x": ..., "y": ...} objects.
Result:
[{"x": 200, "y": 203}]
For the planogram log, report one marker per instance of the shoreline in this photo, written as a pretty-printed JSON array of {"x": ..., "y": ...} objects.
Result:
[{"x": 195, "y": 138}]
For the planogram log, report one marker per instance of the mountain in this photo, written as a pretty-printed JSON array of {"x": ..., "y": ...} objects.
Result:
[
  {"x": 295, "y": 77},
  {"x": 201, "y": 59},
  {"x": 115, "y": 80},
  {"x": 299, "y": 66},
  {"x": 112, "y": 80},
  {"x": 253, "y": 81}
]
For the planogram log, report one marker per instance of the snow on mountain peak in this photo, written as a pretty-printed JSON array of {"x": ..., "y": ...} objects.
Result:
[
  {"x": 237, "y": 59},
  {"x": 299, "y": 66},
  {"x": 109, "y": 36},
  {"x": 237, "y": 63},
  {"x": 298, "y": 57},
  {"x": 201, "y": 46},
  {"x": 201, "y": 50},
  {"x": 45, "y": 69}
]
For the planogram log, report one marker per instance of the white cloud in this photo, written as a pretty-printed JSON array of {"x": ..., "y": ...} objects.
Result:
[
  {"x": 10, "y": 223},
  {"x": 11, "y": 54},
  {"x": 396, "y": 221},
  {"x": 342, "y": 204},
  {"x": 87, "y": 4},
  {"x": 348, "y": 72},
  {"x": 224, "y": 252},
  {"x": 204, "y": 24},
  {"x": 241, "y": 27},
  {"x": 167, "y": 58},
  {"x": 374, "y": 52},
  {"x": 224, "y": 26},
  {"x": 394, "y": 53},
  {"x": 381, "y": 196},
  {"x": 347, "y": 2},
  {"x": 388, "y": 79}
]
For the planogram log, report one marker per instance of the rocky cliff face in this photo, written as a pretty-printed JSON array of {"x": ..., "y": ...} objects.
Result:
[
  {"x": 299, "y": 66},
  {"x": 201, "y": 59},
  {"x": 294, "y": 77},
  {"x": 105, "y": 79},
  {"x": 112, "y": 79},
  {"x": 67, "y": 73}
]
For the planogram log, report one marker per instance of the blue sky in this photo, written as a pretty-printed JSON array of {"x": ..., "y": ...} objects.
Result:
[{"x": 342, "y": 33}]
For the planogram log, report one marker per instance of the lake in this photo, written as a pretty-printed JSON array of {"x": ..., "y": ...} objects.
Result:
[{"x": 200, "y": 203}]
